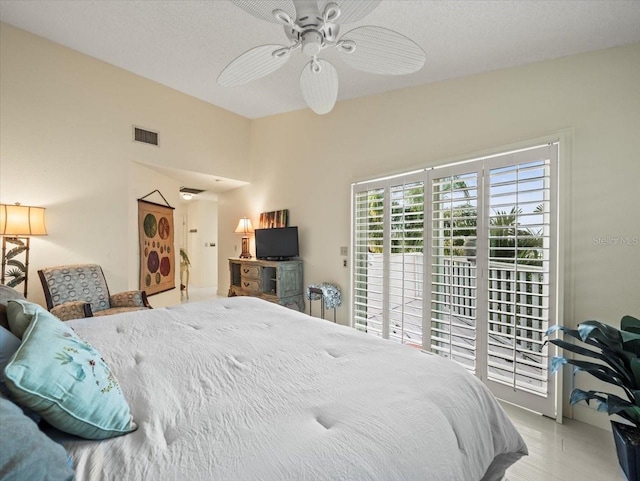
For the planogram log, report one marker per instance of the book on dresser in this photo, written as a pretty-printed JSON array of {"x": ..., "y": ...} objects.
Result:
[{"x": 279, "y": 282}]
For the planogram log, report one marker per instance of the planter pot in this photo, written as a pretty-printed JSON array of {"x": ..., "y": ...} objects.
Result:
[{"x": 628, "y": 448}]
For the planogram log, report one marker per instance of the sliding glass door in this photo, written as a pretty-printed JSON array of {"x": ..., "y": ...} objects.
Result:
[{"x": 461, "y": 261}]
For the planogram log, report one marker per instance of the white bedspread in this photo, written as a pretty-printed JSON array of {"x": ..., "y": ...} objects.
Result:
[{"x": 240, "y": 389}]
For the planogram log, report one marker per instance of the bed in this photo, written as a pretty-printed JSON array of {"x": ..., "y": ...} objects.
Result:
[{"x": 240, "y": 389}]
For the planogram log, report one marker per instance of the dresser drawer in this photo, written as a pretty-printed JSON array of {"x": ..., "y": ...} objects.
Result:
[
  {"x": 274, "y": 281},
  {"x": 250, "y": 286},
  {"x": 250, "y": 272}
]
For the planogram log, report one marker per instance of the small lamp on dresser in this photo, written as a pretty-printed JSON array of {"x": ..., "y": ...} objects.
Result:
[
  {"x": 245, "y": 228},
  {"x": 17, "y": 224}
]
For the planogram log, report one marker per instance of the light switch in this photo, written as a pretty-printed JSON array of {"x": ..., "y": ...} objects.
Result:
[{"x": 344, "y": 251}]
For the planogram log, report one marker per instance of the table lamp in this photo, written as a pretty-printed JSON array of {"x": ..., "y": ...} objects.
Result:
[
  {"x": 17, "y": 224},
  {"x": 245, "y": 228}
]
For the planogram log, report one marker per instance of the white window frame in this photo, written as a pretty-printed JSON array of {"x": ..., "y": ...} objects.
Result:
[{"x": 562, "y": 212}]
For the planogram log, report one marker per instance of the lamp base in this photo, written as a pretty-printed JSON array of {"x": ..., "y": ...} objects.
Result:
[{"x": 245, "y": 249}]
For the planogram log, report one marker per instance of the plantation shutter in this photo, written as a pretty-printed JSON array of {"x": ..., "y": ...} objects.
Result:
[
  {"x": 388, "y": 271},
  {"x": 406, "y": 262},
  {"x": 520, "y": 206},
  {"x": 453, "y": 268},
  {"x": 368, "y": 219}
]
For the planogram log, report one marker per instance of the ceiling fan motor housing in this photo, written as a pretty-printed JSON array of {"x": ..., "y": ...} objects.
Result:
[
  {"x": 311, "y": 43},
  {"x": 312, "y": 33}
]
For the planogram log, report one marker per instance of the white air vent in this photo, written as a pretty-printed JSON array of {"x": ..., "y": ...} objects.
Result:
[{"x": 145, "y": 136}]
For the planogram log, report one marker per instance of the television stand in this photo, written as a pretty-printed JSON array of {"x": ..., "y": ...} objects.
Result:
[{"x": 279, "y": 282}]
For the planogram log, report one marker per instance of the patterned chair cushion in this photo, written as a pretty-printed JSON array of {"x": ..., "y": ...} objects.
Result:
[
  {"x": 84, "y": 282},
  {"x": 71, "y": 310},
  {"x": 69, "y": 288},
  {"x": 65, "y": 380},
  {"x": 117, "y": 310},
  {"x": 127, "y": 299}
]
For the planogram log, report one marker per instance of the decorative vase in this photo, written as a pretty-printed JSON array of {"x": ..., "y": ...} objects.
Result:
[{"x": 628, "y": 449}]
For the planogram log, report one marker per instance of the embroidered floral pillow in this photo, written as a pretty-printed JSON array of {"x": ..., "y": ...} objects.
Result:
[{"x": 64, "y": 379}]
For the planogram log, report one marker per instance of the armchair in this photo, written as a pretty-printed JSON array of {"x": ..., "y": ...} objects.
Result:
[{"x": 78, "y": 291}]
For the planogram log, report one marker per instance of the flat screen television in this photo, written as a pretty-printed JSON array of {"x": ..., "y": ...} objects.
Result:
[{"x": 277, "y": 244}]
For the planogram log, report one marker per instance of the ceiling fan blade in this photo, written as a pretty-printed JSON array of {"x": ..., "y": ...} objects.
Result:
[
  {"x": 319, "y": 88},
  {"x": 252, "y": 65},
  {"x": 383, "y": 51},
  {"x": 264, "y": 8},
  {"x": 351, "y": 10}
]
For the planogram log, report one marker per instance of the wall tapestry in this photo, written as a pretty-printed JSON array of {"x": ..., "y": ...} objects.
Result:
[
  {"x": 276, "y": 218},
  {"x": 157, "y": 254}
]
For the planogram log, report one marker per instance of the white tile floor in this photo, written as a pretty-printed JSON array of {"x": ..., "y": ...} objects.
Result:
[
  {"x": 199, "y": 294},
  {"x": 572, "y": 451}
]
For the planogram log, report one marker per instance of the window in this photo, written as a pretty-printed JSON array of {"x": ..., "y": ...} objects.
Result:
[{"x": 460, "y": 261}]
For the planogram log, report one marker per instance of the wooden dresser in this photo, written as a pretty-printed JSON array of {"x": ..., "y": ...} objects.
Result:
[{"x": 274, "y": 281}]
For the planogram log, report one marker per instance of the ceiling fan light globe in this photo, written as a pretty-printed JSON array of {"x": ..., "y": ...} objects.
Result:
[{"x": 311, "y": 43}]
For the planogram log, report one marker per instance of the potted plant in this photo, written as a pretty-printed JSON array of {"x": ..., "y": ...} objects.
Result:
[
  {"x": 184, "y": 257},
  {"x": 617, "y": 352}
]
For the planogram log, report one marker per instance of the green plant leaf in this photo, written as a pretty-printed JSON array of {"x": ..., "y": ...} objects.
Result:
[
  {"x": 630, "y": 324},
  {"x": 571, "y": 333},
  {"x": 577, "y": 349},
  {"x": 15, "y": 251},
  {"x": 17, "y": 264},
  {"x": 611, "y": 404},
  {"x": 14, "y": 273},
  {"x": 600, "y": 331},
  {"x": 635, "y": 369},
  {"x": 16, "y": 241},
  {"x": 578, "y": 395},
  {"x": 602, "y": 372},
  {"x": 15, "y": 281},
  {"x": 611, "y": 359},
  {"x": 631, "y": 342},
  {"x": 556, "y": 364}
]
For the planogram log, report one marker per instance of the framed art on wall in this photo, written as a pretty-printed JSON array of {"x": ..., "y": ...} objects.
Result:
[
  {"x": 157, "y": 254},
  {"x": 274, "y": 219}
]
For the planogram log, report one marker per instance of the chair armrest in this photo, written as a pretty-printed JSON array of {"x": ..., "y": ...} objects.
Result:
[
  {"x": 129, "y": 299},
  {"x": 72, "y": 310}
]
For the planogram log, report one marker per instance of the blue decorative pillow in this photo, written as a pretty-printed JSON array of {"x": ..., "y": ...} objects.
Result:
[
  {"x": 19, "y": 314},
  {"x": 9, "y": 344},
  {"x": 64, "y": 379},
  {"x": 26, "y": 452}
]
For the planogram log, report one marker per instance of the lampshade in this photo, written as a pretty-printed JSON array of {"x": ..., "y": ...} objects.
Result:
[
  {"x": 21, "y": 220},
  {"x": 244, "y": 226}
]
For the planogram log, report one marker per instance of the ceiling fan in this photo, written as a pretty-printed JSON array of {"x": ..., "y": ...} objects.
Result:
[{"x": 312, "y": 26}]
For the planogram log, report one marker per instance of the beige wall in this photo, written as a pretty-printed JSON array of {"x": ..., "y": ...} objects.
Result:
[
  {"x": 65, "y": 144},
  {"x": 306, "y": 163},
  {"x": 202, "y": 218}
]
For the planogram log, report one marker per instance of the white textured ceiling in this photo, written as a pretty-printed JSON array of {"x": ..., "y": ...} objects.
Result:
[{"x": 185, "y": 44}]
